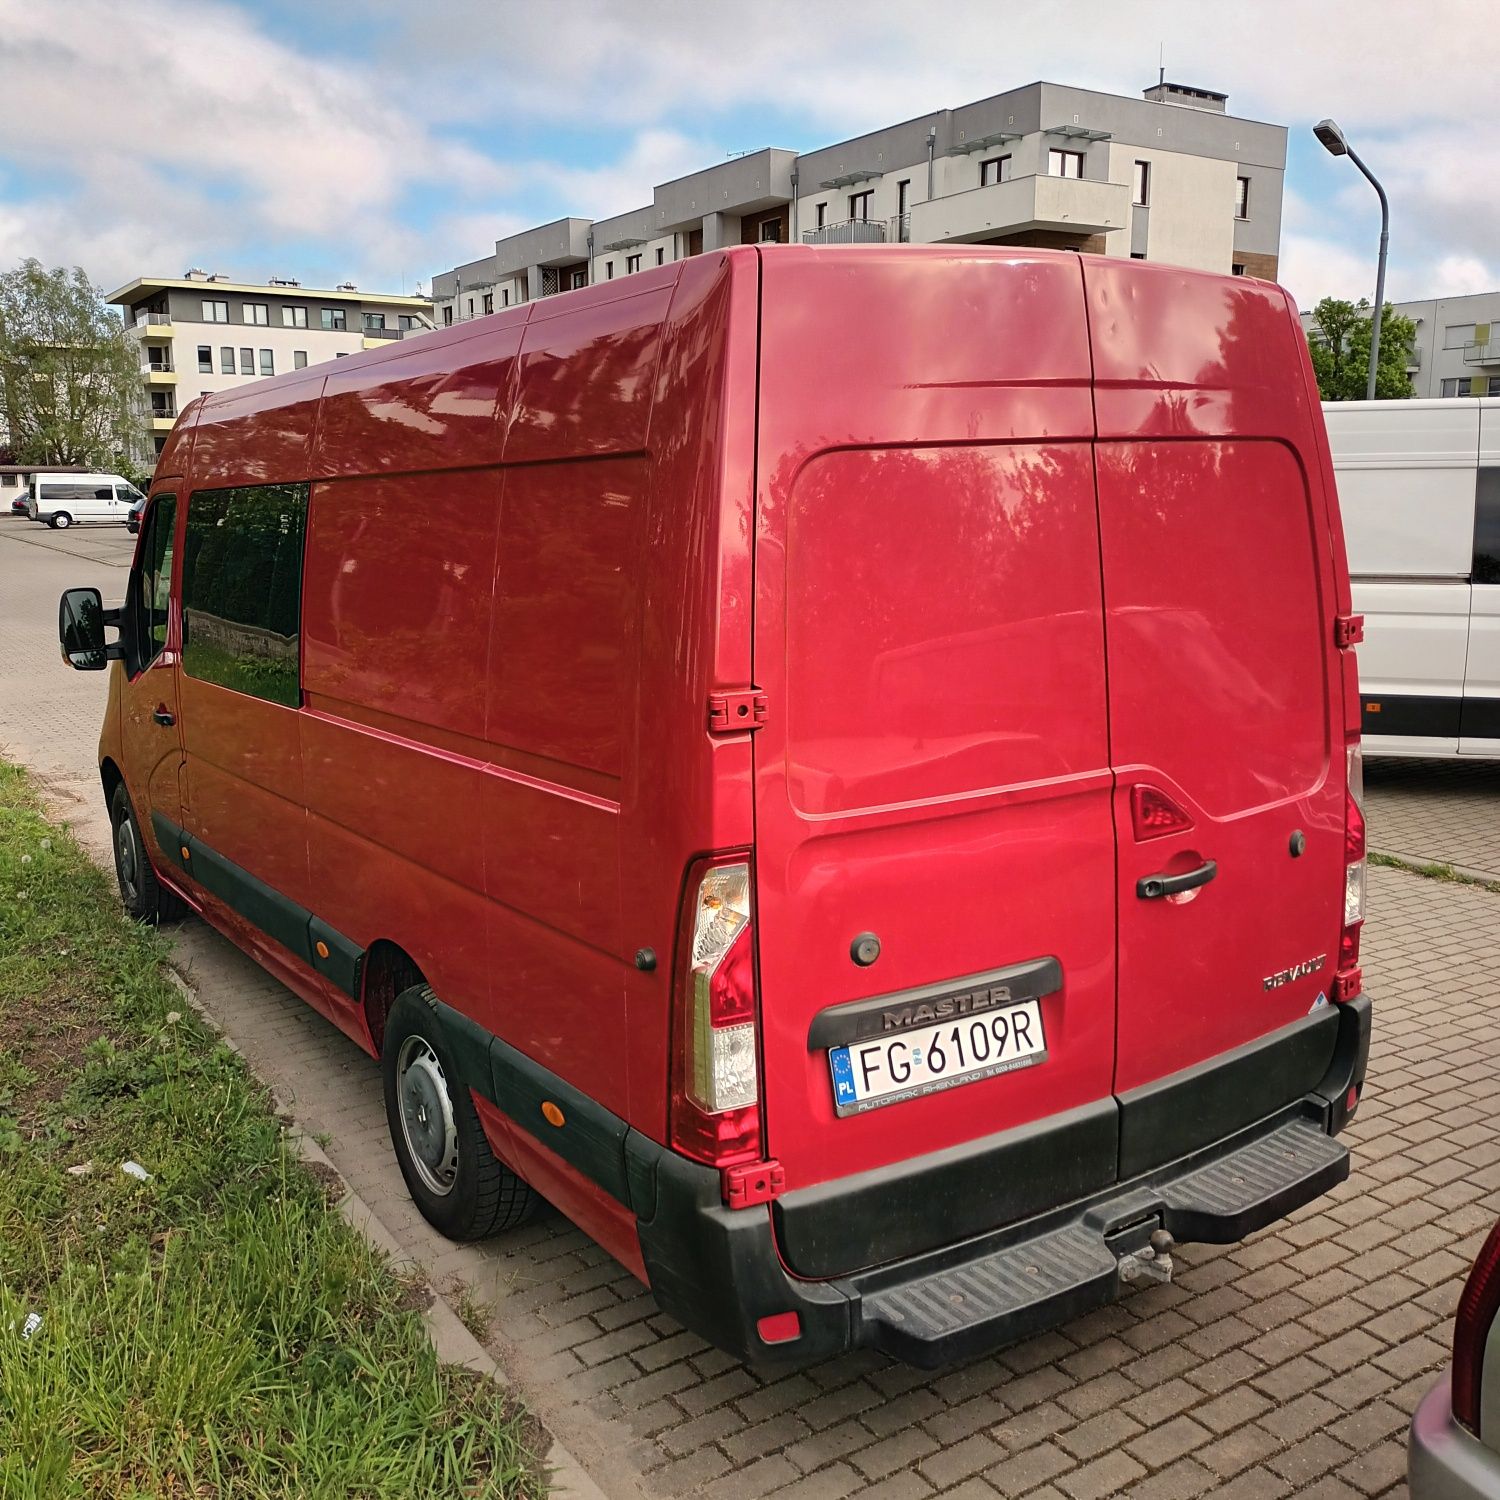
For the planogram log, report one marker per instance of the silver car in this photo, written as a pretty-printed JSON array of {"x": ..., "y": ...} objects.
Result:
[{"x": 1454, "y": 1449}]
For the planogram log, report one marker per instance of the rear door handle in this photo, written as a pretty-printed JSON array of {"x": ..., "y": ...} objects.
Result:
[
  {"x": 164, "y": 715},
  {"x": 1154, "y": 887}
]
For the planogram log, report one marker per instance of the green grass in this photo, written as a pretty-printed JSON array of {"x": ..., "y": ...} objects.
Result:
[
  {"x": 218, "y": 1330},
  {"x": 1434, "y": 871}
]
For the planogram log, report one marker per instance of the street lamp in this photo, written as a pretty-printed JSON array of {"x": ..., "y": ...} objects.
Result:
[{"x": 1335, "y": 144}]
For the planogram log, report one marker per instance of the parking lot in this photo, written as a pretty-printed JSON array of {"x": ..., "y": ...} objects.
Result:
[{"x": 1287, "y": 1364}]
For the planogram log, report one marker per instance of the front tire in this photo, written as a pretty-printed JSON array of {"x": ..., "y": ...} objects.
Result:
[
  {"x": 141, "y": 892},
  {"x": 450, "y": 1171}
]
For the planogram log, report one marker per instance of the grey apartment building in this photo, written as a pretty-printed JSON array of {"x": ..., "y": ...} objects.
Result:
[
  {"x": 1457, "y": 348},
  {"x": 1171, "y": 176},
  {"x": 202, "y": 332}
]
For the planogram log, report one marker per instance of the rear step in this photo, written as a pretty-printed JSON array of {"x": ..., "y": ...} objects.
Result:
[{"x": 972, "y": 1300}]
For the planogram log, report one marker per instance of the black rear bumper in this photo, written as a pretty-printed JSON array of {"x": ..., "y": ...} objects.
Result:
[{"x": 720, "y": 1271}]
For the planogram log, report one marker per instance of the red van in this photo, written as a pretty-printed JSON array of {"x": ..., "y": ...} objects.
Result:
[{"x": 839, "y": 768}]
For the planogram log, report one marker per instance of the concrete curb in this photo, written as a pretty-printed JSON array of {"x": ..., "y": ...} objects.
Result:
[
  {"x": 450, "y": 1338},
  {"x": 1420, "y": 864}
]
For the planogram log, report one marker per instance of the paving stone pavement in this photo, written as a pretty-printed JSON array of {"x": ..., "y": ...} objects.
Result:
[
  {"x": 1436, "y": 811},
  {"x": 1286, "y": 1364}
]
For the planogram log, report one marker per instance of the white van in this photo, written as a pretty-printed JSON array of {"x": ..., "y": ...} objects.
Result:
[
  {"x": 62, "y": 499},
  {"x": 1419, "y": 487}
]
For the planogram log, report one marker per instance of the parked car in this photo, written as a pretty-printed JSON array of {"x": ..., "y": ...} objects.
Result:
[
  {"x": 854, "y": 796},
  {"x": 62, "y": 499},
  {"x": 133, "y": 515},
  {"x": 1454, "y": 1449},
  {"x": 19, "y": 506},
  {"x": 1419, "y": 486}
]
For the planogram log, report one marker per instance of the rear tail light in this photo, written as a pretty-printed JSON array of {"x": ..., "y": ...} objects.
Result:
[
  {"x": 1471, "y": 1330},
  {"x": 716, "y": 1074},
  {"x": 1348, "y": 979}
]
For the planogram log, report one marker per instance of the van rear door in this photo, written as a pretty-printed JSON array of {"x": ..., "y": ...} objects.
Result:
[
  {"x": 1222, "y": 580},
  {"x": 933, "y": 827}
]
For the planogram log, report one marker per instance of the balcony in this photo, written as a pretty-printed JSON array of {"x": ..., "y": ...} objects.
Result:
[
  {"x": 158, "y": 374},
  {"x": 154, "y": 325},
  {"x": 161, "y": 421},
  {"x": 1063, "y": 205},
  {"x": 848, "y": 232},
  {"x": 1482, "y": 354}
]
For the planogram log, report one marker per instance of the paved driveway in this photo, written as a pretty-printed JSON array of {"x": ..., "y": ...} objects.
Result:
[{"x": 1290, "y": 1363}]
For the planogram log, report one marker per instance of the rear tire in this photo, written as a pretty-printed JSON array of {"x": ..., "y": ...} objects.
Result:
[
  {"x": 454, "y": 1178},
  {"x": 141, "y": 893},
  {"x": 61, "y": 521}
]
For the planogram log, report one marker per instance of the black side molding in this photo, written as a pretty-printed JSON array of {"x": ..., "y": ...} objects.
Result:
[{"x": 318, "y": 945}]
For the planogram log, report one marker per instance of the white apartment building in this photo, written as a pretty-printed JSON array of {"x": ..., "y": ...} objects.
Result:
[
  {"x": 1171, "y": 176},
  {"x": 200, "y": 332}
]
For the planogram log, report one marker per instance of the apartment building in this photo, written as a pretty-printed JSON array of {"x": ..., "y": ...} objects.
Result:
[
  {"x": 200, "y": 332},
  {"x": 1457, "y": 348},
  {"x": 1171, "y": 176}
]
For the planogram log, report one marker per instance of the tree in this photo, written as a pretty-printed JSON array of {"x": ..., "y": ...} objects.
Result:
[
  {"x": 1340, "y": 342},
  {"x": 70, "y": 382}
]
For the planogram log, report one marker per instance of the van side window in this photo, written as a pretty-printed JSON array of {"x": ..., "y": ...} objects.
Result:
[
  {"x": 242, "y": 589},
  {"x": 153, "y": 584},
  {"x": 1487, "y": 526}
]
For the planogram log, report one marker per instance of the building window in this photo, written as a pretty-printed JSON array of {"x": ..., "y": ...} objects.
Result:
[
  {"x": 996, "y": 169},
  {"x": 256, "y": 312},
  {"x": 504, "y": 297},
  {"x": 247, "y": 361},
  {"x": 632, "y": 264},
  {"x": 903, "y": 196},
  {"x": 1065, "y": 164},
  {"x": 294, "y": 317},
  {"x": 299, "y": 359},
  {"x": 821, "y": 210},
  {"x": 447, "y": 317},
  {"x": 1456, "y": 335},
  {"x": 1142, "y": 184},
  {"x": 580, "y": 278},
  {"x": 1238, "y": 268},
  {"x": 162, "y": 404},
  {"x": 205, "y": 359},
  {"x": 1242, "y": 197},
  {"x": 242, "y": 589},
  {"x": 333, "y": 319},
  {"x": 267, "y": 362},
  {"x": 609, "y": 270},
  {"x": 405, "y": 322},
  {"x": 1137, "y": 255},
  {"x": 215, "y": 312},
  {"x": 661, "y": 255},
  {"x": 377, "y": 320},
  {"x": 859, "y": 204},
  {"x": 1472, "y": 385},
  {"x": 226, "y": 360},
  {"x": 471, "y": 307}
]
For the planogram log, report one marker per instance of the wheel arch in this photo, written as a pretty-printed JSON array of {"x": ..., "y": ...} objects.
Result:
[
  {"x": 111, "y": 776},
  {"x": 387, "y": 970}
]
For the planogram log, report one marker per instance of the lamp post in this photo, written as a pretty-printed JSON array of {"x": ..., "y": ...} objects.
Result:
[{"x": 1335, "y": 144}]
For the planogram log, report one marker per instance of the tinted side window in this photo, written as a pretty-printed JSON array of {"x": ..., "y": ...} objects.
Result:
[
  {"x": 242, "y": 589},
  {"x": 1487, "y": 527},
  {"x": 152, "y": 585}
]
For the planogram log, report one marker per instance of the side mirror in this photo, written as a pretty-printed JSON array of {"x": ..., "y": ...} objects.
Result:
[{"x": 81, "y": 618}]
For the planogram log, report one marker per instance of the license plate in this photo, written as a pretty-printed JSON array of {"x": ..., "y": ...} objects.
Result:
[{"x": 869, "y": 1074}]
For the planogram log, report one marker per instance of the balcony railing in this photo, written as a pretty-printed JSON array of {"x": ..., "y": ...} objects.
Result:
[
  {"x": 383, "y": 333},
  {"x": 849, "y": 232},
  {"x": 154, "y": 320},
  {"x": 1482, "y": 354}
]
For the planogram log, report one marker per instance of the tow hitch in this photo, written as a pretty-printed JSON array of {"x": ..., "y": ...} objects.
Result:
[{"x": 1152, "y": 1262}]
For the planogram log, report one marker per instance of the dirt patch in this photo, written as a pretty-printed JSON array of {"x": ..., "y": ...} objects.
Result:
[
  {"x": 330, "y": 1183},
  {"x": 45, "y": 1044}
]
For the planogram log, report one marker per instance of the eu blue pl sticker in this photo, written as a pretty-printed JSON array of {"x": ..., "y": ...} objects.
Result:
[{"x": 843, "y": 1076}]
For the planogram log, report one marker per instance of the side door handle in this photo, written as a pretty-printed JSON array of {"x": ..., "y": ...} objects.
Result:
[
  {"x": 164, "y": 715},
  {"x": 1154, "y": 887}
]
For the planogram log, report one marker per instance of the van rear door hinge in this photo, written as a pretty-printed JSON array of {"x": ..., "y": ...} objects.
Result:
[
  {"x": 752, "y": 1182},
  {"x": 1349, "y": 630},
  {"x": 732, "y": 713}
]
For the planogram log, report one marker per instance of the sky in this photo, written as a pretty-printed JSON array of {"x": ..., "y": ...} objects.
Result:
[{"x": 382, "y": 141}]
